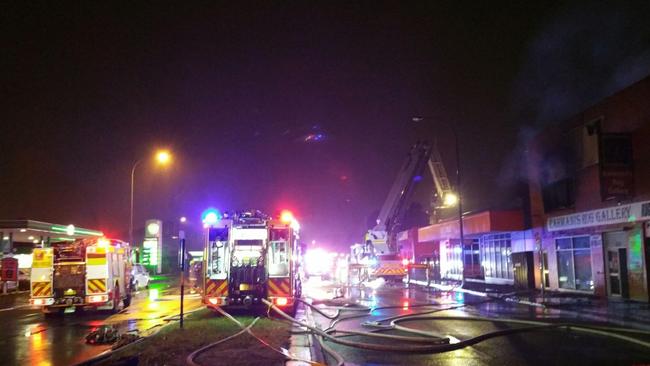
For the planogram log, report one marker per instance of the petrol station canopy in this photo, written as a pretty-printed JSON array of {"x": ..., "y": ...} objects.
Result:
[{"x": 38, "y": 232}]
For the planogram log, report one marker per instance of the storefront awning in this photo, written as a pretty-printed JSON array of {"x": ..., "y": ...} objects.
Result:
[{"x": 474, "y": 224}]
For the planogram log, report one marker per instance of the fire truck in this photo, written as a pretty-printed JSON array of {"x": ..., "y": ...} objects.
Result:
[
  {"x": 249, "y": 257},
  {"x": 379, "y": 255},
  {"x": 85, "y": 273}
]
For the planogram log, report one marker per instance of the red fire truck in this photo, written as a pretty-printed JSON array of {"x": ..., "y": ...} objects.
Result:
[
  {"x": 88, "y": 273},
  {"x": 249, "y": 257}
]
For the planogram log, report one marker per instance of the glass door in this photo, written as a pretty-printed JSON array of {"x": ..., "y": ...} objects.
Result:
[{"x": 613, "y": 272}]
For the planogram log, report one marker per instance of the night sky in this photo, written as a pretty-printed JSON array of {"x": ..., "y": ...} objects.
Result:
[{"x": 288, "y": 106}]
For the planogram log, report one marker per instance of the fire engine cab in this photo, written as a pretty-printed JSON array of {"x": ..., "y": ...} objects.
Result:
[
  {"x": 88, "y": 273},
  {"x": 249, "y": 257}
]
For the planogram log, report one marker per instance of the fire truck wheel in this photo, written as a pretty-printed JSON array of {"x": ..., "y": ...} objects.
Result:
[{"x": 127, "y": 300}]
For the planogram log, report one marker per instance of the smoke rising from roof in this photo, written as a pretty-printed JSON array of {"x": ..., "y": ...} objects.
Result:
[{"x": 584, "y": 53}]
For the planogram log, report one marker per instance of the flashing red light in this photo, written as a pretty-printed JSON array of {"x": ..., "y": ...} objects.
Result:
[
  {"x": 405, "y": 305},
  {"x": 405, "y": 262},
  {"x": 281, "y": 301},
  {"x": 213, "y": 301},
  {"x": 286, "y": 216}
]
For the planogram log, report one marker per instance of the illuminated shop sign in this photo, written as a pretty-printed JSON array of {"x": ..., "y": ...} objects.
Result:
[{"x": 605, "y": 216}]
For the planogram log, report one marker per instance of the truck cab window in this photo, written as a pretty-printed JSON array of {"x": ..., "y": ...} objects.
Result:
[
  {"x": 278, "y": 258},
  {"x": 216, "y": 266}
]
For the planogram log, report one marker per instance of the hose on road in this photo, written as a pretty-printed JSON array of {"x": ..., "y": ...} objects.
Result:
[{"x": 439, "y": 347}]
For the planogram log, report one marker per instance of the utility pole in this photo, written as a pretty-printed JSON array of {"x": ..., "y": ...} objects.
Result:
[{"x": 181, "y": 236}]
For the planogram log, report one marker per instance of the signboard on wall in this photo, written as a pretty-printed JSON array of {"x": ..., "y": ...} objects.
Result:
[
  {"x": 616, "y": 166},
  {"x": 634, "y": 212}
]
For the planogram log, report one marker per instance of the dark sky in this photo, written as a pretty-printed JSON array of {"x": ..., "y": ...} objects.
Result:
[{"x": 236, "y": 89}]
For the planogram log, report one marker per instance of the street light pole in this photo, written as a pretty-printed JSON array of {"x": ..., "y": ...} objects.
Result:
[
  {"x": 131, "y": 209},
  {"x": 163, "y": 157},
  {"x": 460, "y": 197}
]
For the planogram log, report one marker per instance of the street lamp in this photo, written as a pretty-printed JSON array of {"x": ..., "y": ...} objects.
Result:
[
  {"x": 451, "y": 197},
  {"x": 162, "y": 157}
]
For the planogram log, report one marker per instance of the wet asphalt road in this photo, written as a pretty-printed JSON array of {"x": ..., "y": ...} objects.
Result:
[
  {"x": 542, "y": 347},
  {"x": 28, "y": 338}
]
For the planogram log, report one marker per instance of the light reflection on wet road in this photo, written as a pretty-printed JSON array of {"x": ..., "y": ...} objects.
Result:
[
  {"x": 541, "y": 347},
  {"x": 30, "y": 338}
]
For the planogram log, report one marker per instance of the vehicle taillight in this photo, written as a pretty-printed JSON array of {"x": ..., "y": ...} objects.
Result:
[
  {"x": 42, "y": 302},
  {"x": 281, "y": 301},
  {"x": 97, "y": 298}
]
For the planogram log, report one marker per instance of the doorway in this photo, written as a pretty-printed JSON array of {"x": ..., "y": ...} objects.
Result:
[{"x": 617, "y": 283}]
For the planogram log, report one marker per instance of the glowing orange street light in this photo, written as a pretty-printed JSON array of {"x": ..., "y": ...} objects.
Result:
[{"x": 162, "y": 157}]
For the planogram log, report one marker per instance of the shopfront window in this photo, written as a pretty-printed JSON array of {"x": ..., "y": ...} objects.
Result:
[
  {"x": 496, "y": 256},
  {"x": 574, "y": 263},
  {"x": 451, "y": 264}
]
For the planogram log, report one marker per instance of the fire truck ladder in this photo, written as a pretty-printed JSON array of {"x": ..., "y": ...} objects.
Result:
[{"x": 439, "y": 173}]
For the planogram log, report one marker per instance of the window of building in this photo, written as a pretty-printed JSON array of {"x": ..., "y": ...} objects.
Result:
[
  {"x": 496, "y": 256},
  {"x": 451, "y": 263},
  {"x": 472, "y": 260},
  {"x": 557, "y": 174},
  {"x": 574, "y": 263}
]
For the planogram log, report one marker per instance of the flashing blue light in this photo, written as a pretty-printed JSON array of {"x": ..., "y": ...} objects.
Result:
[
  {"x": 210, "y": 216},
  {"x": 417, "y": 178}
]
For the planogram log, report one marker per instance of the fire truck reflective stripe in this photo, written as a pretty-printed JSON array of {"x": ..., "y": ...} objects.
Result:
[
  {"x": 42, "y": 258},
  {"x": 41, "y": 288},
  {"x": 217, "y": 288},
  {"x": 93, "y": 259},
  {"x": 96, "y": 261},
  {"x": 97, "y": 285},
  {"x": 279, "y": 287},
  {"x": 390, "y": 272}
]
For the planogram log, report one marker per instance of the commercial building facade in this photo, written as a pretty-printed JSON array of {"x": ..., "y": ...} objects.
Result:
[
  {"x": 589, "y": 186},
  {"x": 486, "y": 255}
]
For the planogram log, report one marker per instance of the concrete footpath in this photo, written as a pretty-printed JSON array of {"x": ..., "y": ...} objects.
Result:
[
  {"x": 302, "y": 345},
  {"x": 626, "y": 313}
]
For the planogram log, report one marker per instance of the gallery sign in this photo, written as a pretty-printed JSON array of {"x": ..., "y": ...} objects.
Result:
[{"x": 605, "y": 216}]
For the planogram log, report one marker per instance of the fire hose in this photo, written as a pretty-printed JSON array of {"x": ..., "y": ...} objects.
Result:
[
  {"x": 442, "y": 344},
  {"x": 244, "y": 329}
]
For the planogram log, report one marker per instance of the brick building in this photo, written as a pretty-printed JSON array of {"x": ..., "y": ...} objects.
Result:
[{"x": 589, "y": 184}]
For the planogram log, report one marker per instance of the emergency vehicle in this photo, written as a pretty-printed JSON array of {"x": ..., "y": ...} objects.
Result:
[
  {"x": 379, "y": 254},
  {"x": 249, "y": 257},
  {"x": 87, "y": 273}
]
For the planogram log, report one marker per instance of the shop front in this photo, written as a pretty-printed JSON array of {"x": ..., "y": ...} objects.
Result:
[
  {"x": 604, "y": 252},
  {"x": 485, "y": 255}
]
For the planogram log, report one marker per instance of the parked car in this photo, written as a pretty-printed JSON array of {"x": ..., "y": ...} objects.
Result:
[{"x": 140, "y": 276}]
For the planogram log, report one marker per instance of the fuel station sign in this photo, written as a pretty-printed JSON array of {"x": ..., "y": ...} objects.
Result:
[{"x": 152, "y": 245}]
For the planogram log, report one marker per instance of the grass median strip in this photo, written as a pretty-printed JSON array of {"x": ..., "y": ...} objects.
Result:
[{"x": 171, "y": 345}]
